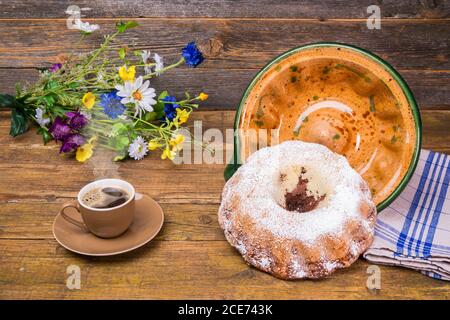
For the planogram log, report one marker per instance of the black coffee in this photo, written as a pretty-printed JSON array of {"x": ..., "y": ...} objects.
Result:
[{"x": 102, "y": 198}]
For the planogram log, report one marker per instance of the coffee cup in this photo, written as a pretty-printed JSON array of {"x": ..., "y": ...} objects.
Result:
[{"x": 106, "y": 207}]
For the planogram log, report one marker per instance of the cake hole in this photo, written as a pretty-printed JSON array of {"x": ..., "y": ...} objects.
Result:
[{"x": 300, "y": 190}]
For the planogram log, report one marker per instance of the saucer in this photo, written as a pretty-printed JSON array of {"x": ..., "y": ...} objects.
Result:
[{"x": 148, "y": 220}]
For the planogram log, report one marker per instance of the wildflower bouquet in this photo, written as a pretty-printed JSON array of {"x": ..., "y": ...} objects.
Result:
[{"x": 96, "y": 100}]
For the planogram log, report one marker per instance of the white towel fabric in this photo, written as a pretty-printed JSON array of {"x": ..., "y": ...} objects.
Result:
[{"x": 414, "y": 231}]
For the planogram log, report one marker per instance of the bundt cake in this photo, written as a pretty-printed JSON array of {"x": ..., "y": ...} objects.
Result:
[{"x": 297, "y": 210}]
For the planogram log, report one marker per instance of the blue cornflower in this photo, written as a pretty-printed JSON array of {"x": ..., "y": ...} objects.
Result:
[
  {"x": 111, "y": 104},
  {"x": 170, "y": 109},
  {"x": 192, "y": 55}
]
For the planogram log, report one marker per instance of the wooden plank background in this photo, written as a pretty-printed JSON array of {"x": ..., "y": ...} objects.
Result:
[{"x": 190, "y": 258}]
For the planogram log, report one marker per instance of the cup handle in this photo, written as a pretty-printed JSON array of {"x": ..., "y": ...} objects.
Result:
[{"x": 72, "y": 204}]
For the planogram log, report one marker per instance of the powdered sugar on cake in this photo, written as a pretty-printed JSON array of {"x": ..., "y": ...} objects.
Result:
[
  {"x": 253, "y": 199},
  {"x": 329, "y": 217}
]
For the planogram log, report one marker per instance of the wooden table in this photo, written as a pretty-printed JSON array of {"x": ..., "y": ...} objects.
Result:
[{"x": 190, "y": 257}]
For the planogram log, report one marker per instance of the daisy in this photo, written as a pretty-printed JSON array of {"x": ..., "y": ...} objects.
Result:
[
  {"x": 159, "y": 64},
  {"x": 43, "y": 122},
  {"x": 138, "y": 148},
  {"x": 138, "y": 93},
  {"x": 145, "y": 55}
]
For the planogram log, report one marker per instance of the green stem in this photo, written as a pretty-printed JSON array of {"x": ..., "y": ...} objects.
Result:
[
  {"x": 101, "y": 49},
  {"x": 148, "y": 76}
]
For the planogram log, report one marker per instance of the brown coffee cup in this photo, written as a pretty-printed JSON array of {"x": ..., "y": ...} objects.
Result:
[{"x": 103, "y": 222}]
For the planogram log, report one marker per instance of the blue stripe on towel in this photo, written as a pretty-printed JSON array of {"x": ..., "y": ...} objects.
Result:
[
  {"x": 437, "y": 213},
  {"x": 414, "y": 204},
  {"x": 424, "y": 202},
  {"x": 431, "y": 205},
  {"x": 432, "y": 274},
  {"x": 445, "y": 250}
]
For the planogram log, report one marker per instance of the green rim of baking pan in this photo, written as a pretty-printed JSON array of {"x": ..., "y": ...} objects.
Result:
[{"x": 232, "y": 167}]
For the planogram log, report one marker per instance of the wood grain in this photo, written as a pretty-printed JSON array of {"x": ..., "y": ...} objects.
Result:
[
  {"x": 186, "y": 270},
  {"x": 325, "y": 9},
  {"x": 232, "y": 44},
  {"x": 226, "y": 86},
  {"x": 190, "y": 258},
  {"x": 190, "y": 204}
]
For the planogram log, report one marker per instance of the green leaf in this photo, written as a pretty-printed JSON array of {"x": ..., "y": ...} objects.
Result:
[
  {"x": 123, "y": 26},
  {"x": 119, "y": 142},
  {"x": 52, "y": 84},
  {"x": 23, "y": 98},
  {"x": 46, "y": 136},
  {"x": 49, "y": 99},
  {"x": 18, "y": 89},
  {"x": 158, "y": 109},
  {"x": 122, "y": 53},
  {"x": 163, "y": 94},
  {"x": 58, "y": 111},
  {"x": 119, "y": 128},
  {"x": 150, "y": 116},
  {"x": 7, "y": 101},
  {"x": 120, "y": 156},
  {"x": 73, "y": 85},
  {"x": 19, "y": 122},
  {"x": 123, "y": 142}
]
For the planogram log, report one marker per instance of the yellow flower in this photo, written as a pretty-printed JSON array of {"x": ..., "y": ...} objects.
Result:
[
  {"x": 88, "y": 100},
  {"x": 203, "y": 96},
  {"x": 177, "y": 142},
  {"x": 127, "y": 74},
  {"x": 84, "y": 152},
  {"x": 182, "y": 115},
  {"x": 153, "y": 145},
  {"x": 168, "y": 154}
]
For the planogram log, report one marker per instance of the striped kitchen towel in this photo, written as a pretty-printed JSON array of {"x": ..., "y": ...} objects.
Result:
[{"x": 414, "y": 231}]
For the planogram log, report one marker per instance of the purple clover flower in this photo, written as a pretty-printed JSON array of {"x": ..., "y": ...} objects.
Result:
[
  {"x": 67, "y": 131},
  {"x": 192, "y": 55},
  {"x": 76, "y": 119},
  {"x": 60, "y": 130},
  {"x": 71, "y": 143},
  {"x": 55, "y": 67}
]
